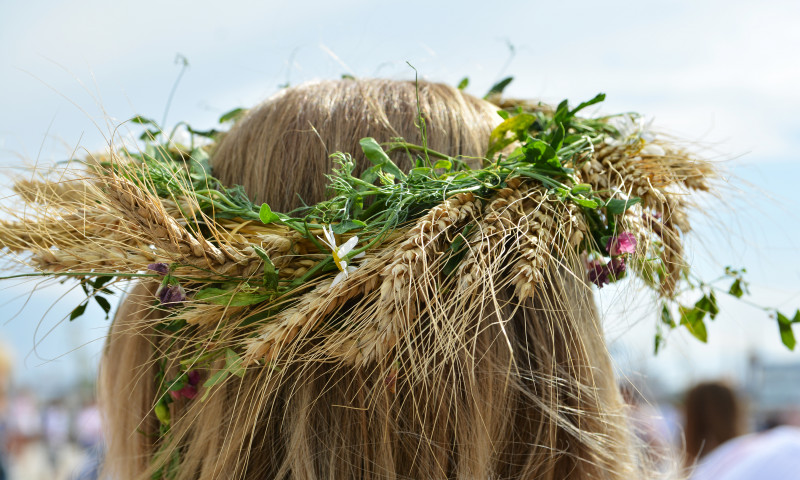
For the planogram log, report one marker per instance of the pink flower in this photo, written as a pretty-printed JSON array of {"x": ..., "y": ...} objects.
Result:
[
  {"x": 189, "y": 391},
  {"x": 623, "y": 243}
]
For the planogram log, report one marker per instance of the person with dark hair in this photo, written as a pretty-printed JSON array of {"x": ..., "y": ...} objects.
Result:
[{"x": 719, "y": 449}]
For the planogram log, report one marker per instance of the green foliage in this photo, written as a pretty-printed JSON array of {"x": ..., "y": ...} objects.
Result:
[
  {"x": 233, "y": 115},
  {"x": 785, "y": 328},
  {"x": 233, "y": 366},
  {"x": 232, "y": 298},
  {"x": 499, "y": 87}
]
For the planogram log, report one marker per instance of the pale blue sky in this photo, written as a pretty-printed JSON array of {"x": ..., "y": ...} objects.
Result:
[{"x": 722, "y": 74}]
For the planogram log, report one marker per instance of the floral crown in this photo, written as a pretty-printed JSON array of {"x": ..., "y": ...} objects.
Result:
[{"x": 348, "y": 279}]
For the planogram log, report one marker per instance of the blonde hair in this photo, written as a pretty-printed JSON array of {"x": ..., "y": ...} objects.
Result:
[{"x": 526, "y": 389}]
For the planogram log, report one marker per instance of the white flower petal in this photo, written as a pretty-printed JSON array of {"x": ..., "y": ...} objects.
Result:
[
  {"x": 652, "y": 149},
  {"x": 351, "y": 269},
  {"x": 348, "y": 245},
  {"x": 338, "y": 279},
  {"x": 343, "y": 267},
  {"x": 360, "y": 255},
  {"x": 331, "y": 239}
]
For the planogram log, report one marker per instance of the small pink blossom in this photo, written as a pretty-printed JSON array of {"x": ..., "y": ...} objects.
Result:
[
  {"x": 189, "y": 391},
  {"x": 621, "y": 244}
]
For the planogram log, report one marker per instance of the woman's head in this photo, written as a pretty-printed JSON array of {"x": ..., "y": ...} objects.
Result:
[
  {"x": 510, "y": 389},
  {"x": 713, "y": 415}
]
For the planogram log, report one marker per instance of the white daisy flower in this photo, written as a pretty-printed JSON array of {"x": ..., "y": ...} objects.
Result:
[
  {"x": 339, "y": 253},
  {"x": 636, "y": 133}
]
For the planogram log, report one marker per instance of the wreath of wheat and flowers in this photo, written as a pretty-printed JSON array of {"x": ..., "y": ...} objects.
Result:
[{"x": 241, "y": 286}]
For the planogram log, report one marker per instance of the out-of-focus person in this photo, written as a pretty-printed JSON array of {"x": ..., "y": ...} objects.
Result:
[
  {"x": 55, "y": 426},
  {"x": 713, "y": 415},
  {"x": 774, "y": 454},
  {"x": 650, "y": 427},
  {"x": 6, "y": 367},
  {"x": 89, "y": 434},
  {"x": 718, "y": 449}
]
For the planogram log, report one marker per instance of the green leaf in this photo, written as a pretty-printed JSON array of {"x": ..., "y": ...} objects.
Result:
[
  {"x": 210, "y": 133},
  {"x": 713, "y": 307},
  {"x": 736, "y": 288},
  {"x": 233, "y": 366},
  {"x": 233, "y": 115},
  {"x": 517, "y": 125},
  {"x": 708, "y": 304},
  {"x": 270, "y": 272},
  {"x": 666, "y": 316},
  {"x": 233, "y": 363},
  {"x": 585, "y": 202},
  {"x": 464, "y": 83},
  {"x": 78, "y": 311},
  {"x": 498, "y": 87},
  {"x": 215, "y": 379},
  {"x": 149, "y": 134},
  {"x": 143, "y": 121},
  {"x": 616, "y": 206},
  {"x": 100, "y": 282},
  {"x": 597, "y": 99},
  {"x": 178, "y": 384},
  {"x": 220, "y": 296},
  {"x": 558, "y": 137},
  {"x": 659, "y": 341},
  {"x": 540, "y": 154},
  {"x": 785, "y": 328},
  {"x": 445, "y": 164},
  {"x": 581, "y": 188},
  {"x": 266, "y": 215},
  {"x": 692, "y": 319},
  {"x": 104, "y": 304},
  {"x": 503, "y": 114},
  {"x": 202, "y": 161},
  {"x": 375, "y": 154},
  {"x": 796, "y": 318},
  {"x": 347, "y": 225},
  {"x": 562, "y": 112}
]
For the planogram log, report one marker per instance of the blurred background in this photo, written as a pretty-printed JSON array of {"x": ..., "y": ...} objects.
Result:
[{"x": 720, "y": 75}]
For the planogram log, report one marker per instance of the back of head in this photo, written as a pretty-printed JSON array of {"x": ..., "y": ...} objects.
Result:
[
  {"x": 714, "y": 415},
  {"x": 520, "y": 389},
  {"x": 281, "y": 151}
]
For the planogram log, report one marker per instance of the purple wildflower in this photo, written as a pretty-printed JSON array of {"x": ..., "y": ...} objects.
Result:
[
  {"x": 160, "y": 268},
  {"x": 617, "y": 267},
  {"x": 623, "y": 243},
  {"x": 194, "y": 377},
  {"x": 171, "y": 295},
  {"x": 598, "y": 273}
]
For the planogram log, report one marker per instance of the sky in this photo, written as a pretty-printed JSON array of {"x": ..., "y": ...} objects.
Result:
[{"x": 721, "y": 75}]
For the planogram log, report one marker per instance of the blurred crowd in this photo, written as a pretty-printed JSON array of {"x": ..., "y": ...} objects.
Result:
[
  {"x": 52, "y": 439},
  {"x": 713, "y": 431}
]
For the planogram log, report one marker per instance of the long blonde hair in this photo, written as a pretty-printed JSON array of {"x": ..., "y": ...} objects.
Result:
[{"x": 524, "y": 390}]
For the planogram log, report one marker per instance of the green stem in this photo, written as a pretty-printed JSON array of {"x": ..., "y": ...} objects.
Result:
[{"x": 418, "y": 148}]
